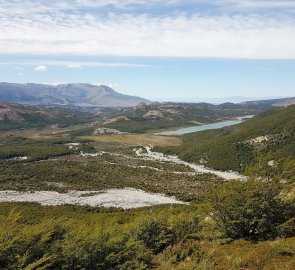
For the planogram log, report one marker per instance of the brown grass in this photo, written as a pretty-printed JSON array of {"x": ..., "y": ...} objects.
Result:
[
  {"x": 137, "y": 139},
  {"x": 44, "y": 132},
  {"x": 269, "y": 255}
]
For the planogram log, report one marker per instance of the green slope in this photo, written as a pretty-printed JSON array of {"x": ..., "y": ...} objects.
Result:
[{"x": 263, "y": 146}]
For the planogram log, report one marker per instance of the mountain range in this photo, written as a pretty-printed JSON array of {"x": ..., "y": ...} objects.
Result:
[
  {"x": 88, "y": 95},
  {"x": 278, "y": 102},
  {"x": 72, "y": 94}
]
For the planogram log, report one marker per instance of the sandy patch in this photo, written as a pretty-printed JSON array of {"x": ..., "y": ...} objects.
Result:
[
  {"x": 154, "y": 114},
  {"x": 73, "y": 146},
  {"x": 103, "y": 130},
  {"x": 259, "y": 139},
  {"x": 125, "y": 198},
  {"x": 115, "y": 119}
]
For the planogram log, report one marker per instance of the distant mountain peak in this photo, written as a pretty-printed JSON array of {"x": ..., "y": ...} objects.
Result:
[
  {"x": 106, "y": 88},
  {"x": 71, "y": 94}
]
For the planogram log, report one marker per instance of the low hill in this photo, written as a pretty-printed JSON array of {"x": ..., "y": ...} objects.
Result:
[
  {"x": 262, "y": 146},
  {"x": 155, "y": 116},
  {"x": 16, "y": 116},
  {"x": 74, "y": 94}
]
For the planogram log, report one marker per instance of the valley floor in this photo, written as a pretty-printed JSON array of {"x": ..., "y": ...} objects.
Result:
[
  {"x": 101, "y": 171},
  {"x": 71, "y": 201}
]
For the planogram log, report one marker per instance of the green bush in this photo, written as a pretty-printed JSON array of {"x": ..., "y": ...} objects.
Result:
[
  {"x": 249, "y": 209},
  {"x": 154, "y": 235}
]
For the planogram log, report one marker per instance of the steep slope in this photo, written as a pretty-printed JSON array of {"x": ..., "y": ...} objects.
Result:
[
  {"x": 75, "y": 94},
  {"x": 262, "y": 146}
]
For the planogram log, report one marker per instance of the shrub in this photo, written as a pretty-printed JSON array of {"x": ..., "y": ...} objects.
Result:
[
  {"x": 248, "y": 209},
  {"x": 154, "y": 235}
]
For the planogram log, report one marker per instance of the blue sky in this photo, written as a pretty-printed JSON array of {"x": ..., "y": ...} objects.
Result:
[{"x": 161, "y": 50}]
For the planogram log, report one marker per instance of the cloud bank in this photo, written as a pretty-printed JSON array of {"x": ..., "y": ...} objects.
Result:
[{"x": 70, "y": 28}]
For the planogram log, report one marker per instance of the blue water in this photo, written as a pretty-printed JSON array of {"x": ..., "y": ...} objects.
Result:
[{"x": 186, "y": 130}]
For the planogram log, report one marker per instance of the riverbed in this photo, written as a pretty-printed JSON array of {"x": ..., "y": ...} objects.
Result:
[
  {"x": 152, "y": 155},
  {"x": 125, "y": 198}
]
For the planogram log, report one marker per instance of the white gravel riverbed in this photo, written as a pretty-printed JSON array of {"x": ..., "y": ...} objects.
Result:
[
  {"x": 125, "y": 198},
  {"x": 151, "y": 155}
]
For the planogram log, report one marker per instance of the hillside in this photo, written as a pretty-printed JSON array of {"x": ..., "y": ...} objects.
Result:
[
  {"x": 262, "y": 146},
  {"x": 74, "y": 94},
  {"x": 140, "y": 118},
  {"x": 16, "y": 116},
  {"x": 155, "y": 116},
  {"x": 225, "y": 225}
]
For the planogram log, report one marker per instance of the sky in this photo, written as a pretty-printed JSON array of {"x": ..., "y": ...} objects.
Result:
[{"x": 185, "y": 50}]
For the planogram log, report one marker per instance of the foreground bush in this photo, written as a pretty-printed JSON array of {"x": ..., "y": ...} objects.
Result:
[
  {"x": 250, "y": 209},
  {"x": 72, "y": 238}
]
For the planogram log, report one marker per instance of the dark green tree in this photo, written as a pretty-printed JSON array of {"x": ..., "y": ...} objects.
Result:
[
  {"x": 248, "y": 209},
  {"x": 154, "y": 235}
]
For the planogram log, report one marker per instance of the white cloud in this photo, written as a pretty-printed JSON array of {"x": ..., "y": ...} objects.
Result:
[
  {"x": 42, "y": 32},
  {"x": 17, "y": 7},
  {"x": 263, "y": 3},
  {"x": 229, "y": 3},
  {"x": 54, "y": 83},
  {"x": 69, "y": 64},
  {"x": 18, "y": 68},
  {"x": 73, "y": 66},
  {"x": 113, "y": 85},
  {"x": 40, "y": 68},
  {"x": 27, "y": 6}
]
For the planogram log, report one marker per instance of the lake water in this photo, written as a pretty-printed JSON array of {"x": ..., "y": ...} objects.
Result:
[{"x": 217, "y": 125}]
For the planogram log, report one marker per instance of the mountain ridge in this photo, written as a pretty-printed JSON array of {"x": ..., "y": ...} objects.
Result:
[
  {"x": 275, "y": 102},
  {"x": 71, "y": 94}
]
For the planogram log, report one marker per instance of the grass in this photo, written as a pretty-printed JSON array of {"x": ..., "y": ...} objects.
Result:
[
  {"x": 136, "y": 139},
  {"x": 44, "y": 132},
  {"x": 268, "y": 255}
]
